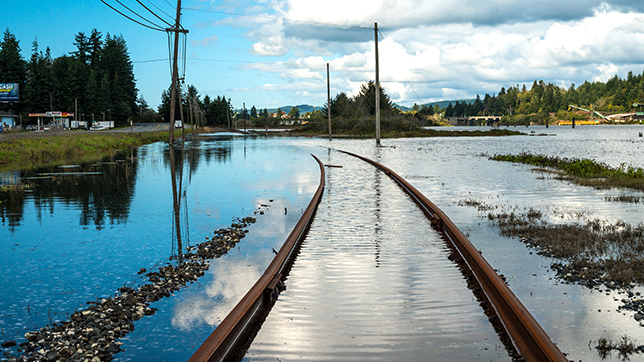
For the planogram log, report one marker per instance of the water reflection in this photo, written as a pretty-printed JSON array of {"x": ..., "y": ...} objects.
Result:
[
  {"x": 177, "y": 193},
  {"x": 220, "y": 296},
  {"x": 102, "y": 191}
]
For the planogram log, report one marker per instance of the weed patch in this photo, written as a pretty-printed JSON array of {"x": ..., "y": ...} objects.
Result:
[{"x": 584, "y": 172}]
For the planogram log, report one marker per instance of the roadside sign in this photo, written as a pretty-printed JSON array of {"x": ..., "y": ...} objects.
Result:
[{"x": 9, "y": 92}]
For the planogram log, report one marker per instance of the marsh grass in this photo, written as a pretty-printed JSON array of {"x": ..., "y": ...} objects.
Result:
[
  {"x": 479, "y": 205},
  {"x": 584, "y": 172},
  {"x": 624, "y": 345},
  {"x": 624, "y": 199},
  {"x": 614, "y": 251},
  {"x": 73, "y": 148}
]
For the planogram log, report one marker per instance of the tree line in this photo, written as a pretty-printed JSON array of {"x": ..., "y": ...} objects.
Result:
[
  {"x": 97, "y": 78},
  {"x": 617, "y": 95}
]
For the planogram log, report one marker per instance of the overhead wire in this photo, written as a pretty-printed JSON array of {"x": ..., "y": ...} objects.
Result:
[
  {"x": 161, "y": 10},
  {"x": 153, "y": 13},
  {"x": 172, "y": 6},
  {"x": 156, "y": 27},
  {"x": 150, "y": 61},
  {"x": 404, "y": 74}
]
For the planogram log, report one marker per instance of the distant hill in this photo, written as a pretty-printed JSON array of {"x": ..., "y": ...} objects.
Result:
[
  {"x": 441, "y": 104},
  {"x": 304, "y": 108}
]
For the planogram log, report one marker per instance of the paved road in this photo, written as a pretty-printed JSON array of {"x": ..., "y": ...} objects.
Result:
[{"x": 142, "y": 127}]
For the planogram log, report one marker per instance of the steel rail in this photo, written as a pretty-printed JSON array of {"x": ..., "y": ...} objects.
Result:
[
  {"x": 529, "y": 341},
  {"x": 239, "y": 326}
]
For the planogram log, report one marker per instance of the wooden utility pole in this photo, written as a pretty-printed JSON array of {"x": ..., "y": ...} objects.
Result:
[
  {"x": 377, "y": 89},
  {"x": 175, "y": 69},
  {"x": 328, "y": 98},
  {"x": 183, "y": 116}
]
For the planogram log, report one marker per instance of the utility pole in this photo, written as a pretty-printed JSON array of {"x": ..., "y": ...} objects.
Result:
[
  {"x": 175, "y": 69},
  {"x": 183, "y": 116},
  {"x": 328, "y": 98},
  {"x": 377, "y": 89}
]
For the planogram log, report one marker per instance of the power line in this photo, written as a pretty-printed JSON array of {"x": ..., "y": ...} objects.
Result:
[
  {"x": 153, "y": 13},
  {"x": 158, "y": 8},
  {"x": 158, "y": 28},
  {"x": 135, "y": 13},
  {"x": 150, "y": 61}
]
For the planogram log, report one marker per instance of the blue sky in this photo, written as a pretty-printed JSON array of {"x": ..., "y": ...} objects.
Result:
[{"x": 271, "y": 53}]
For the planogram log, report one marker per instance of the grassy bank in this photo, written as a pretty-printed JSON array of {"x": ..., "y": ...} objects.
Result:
[
  {"x": 60, "y": 149},
  {"x": 584, "y": 172}
]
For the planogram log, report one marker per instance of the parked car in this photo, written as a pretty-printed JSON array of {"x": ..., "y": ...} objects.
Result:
[
  {"x": 96, "y": 128},
  {"x": 178, "y": 124}
]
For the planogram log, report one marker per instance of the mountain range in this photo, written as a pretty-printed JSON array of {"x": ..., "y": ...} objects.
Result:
[{"x": 304, "y": 108}]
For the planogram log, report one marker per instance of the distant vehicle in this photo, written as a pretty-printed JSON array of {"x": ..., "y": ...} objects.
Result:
[
  {"x": 96, "y": 128},
  {"x": 178, "y": 124}
]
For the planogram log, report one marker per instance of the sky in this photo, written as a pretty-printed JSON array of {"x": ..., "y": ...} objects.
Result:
[{"x": 273, "y": 53}]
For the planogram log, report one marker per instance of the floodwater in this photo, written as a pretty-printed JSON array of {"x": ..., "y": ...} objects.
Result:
[{"x": 372, "y": 280}]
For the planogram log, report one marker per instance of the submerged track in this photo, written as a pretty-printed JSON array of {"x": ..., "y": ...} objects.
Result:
[
  {"x": 527, "y": 341},
  {"x": 236, "y": 331}
]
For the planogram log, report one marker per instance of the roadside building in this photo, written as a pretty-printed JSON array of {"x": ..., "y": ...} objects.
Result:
[{"x": 8, "y": 120}]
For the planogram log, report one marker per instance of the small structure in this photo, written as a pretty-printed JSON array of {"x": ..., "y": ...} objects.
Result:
[
  {"x": 7, "y": 119},
  {"x": 60, "y": 119}
]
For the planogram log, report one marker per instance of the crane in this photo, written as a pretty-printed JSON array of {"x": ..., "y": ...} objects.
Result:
[{"x": 589, "y": 111}]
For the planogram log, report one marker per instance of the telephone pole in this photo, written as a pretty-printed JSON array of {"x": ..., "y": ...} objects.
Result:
[
  {"x": 175, "y": 69},
  {"x": 328, "y": 98},
  {"x": 377, "y": 89}
]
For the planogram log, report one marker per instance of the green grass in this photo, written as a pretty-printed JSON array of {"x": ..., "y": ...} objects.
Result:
[
  {"x": 584, "y": 171},
  {"x": 75, "y": 148}
]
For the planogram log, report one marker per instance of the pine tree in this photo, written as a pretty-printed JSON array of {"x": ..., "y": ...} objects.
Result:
[
  {"x": 39, "y": 88},
  {"x": 13, "y": 68}
]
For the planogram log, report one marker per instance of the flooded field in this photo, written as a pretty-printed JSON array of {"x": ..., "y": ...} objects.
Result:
[{"x": 81, "y": 233}]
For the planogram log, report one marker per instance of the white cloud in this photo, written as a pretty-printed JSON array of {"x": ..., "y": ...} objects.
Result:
[
  {"x": 428, "y": 50},
  {"x": 206, "y": 43}
]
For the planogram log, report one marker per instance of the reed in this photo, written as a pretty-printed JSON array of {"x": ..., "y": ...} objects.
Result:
[
  {"x": 613, "y": 250},
  {"x": 584, "y": 172}
]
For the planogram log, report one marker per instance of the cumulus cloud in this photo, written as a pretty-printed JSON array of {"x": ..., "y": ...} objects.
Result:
[
  {"x": 441, "y": 50},
  {"x": 206, "y": 43}
]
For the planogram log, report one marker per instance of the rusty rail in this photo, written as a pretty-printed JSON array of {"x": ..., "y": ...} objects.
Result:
[
  {"x": 236, "y": 330},
  {"x": 529, "y": 341}
]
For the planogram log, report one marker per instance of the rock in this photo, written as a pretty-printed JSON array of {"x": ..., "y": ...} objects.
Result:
[{"x": 9, "y": 344}]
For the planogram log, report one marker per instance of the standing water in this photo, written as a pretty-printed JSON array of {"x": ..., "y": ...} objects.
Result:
[{"x": 81, "y": 233}]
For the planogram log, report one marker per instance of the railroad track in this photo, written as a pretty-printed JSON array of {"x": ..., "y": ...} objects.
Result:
[
  {"x": 231, "y": 338},
  {"x": 524, "y": 337}
]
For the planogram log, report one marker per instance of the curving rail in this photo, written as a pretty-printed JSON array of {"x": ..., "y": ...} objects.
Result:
[
  {"x": 528, "y": 340},
  {"x": 238, "y": 328}
]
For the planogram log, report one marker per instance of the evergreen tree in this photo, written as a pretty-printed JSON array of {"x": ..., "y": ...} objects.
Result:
[
  {"x": 365, "y": 100},
  {"x": 13, "y": 68},
  {"x": 39, "y": 88},
  {"x": 449, "y": 111},
  {"x": 294, "y": 113}
]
